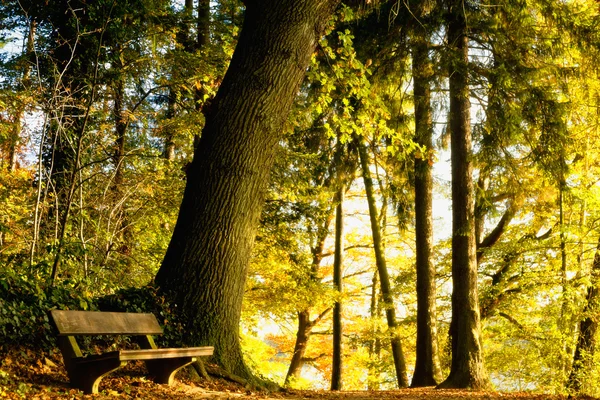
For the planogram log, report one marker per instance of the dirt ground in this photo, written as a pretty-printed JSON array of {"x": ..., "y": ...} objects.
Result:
[{"x": 25, "y": 375}]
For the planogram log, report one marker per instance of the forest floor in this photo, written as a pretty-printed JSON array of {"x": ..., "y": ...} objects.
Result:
[{"x": 26, "y": 375}]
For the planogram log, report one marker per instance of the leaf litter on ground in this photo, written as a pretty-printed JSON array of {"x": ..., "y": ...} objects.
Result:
[{"x": 25, "y": 374}]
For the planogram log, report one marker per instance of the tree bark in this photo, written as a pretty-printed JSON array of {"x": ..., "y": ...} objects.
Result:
[
  {"x": 118, "y": 156},
  {"x": 373, "y": 380},
  {"x": 203, "y": 24},
  {"x": 302, "y": 335},
  {"x": 305, "y": 324},
  {"x": 386, "y": 290},
  {"x": 126, "y": 236},
  {"x": 427, "y": 366},
  {"x": 588, "y": 326},
  {"x": 204, "y": 269},
  {"x": 467, "y": 369},
  {"x": 183, "y": 39},
  {"x": 336, "y": 368}
]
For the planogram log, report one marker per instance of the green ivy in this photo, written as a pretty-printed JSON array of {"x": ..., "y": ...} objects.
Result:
[
  {"x": 147, "y": 300},
  {"x": 24, "y": 306}
]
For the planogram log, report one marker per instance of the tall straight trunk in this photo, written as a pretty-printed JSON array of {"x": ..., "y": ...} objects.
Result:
[
  {"x": 566, "y": 324},
  {"x": 203, "y": 24},
  {"x": 427, "y": 366},
  {"x": 120, "y": 119},
  {"x": 169, "y": 149},
  {"x": 183, "y": 39},
  {"x": 15, "y": 138},
  {"x": 588, "y": 326},
  {"x": 202, "y": 42},
  {"x": 374, "y": 344},
  {"x": 336, "y": 368},
  {"x": 467, "y": 370},
  {"x": 386, "y": 290},
  {"x": 204, "y": 269},
  {"x": 118, "y": 159}
]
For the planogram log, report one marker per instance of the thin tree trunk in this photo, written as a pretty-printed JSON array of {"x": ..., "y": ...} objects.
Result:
[
  {"x": 302, "y": 335},
  {"x": 204, "y": 269},
  {"x": 386, "y": 291},
  {"x": 169, "y": 150},
  {"x": 15, "y": 138},
  {"x": 305, "y": 325},
  {"x": 203, "y": 24},
  {"x": 467, "y": 370},
  {"x": 336, "y": 368},
  {"x": 118, "y": 157},
  {"x": 565, "y": 321},
  {"x": 427, "y": 366},
  {"x": 375, "y": 343},
  {"x": 338, "y": 173},
  {"x": 71, "y": 184},
  {"x": 183, "y": 38},
  {"x": 38, "y": 198},
  {"x": 588, "y": 326},
  {"x": 202, "y": 42}
]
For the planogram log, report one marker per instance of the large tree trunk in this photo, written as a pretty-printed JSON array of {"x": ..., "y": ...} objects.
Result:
[
  {"x": 588, "y": 326},
  {"x": 427, "y": 366},
  {"x": 336, "y": 367},
  {"x": 205, "y": 266},
  {"x": 467, "y": 370},
  {"x": 386, "y": 290}
]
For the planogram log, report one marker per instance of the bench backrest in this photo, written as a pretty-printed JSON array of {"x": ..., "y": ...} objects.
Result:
[{"x": 91, "y": 323}]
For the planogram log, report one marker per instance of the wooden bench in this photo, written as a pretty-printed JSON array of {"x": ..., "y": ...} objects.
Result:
[{"x": 86, "y": 372}]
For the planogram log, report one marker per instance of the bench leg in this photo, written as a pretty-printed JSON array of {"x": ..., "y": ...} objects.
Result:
[
  {"x": 163, "y": 371},
  {"x": 87, "y": 377}
]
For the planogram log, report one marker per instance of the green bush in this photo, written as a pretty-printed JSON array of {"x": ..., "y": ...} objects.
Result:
[
  {"x": 24, "y": 306},
  {"x": 25, "y": 302},
  {"x": 147, "y": 299}
]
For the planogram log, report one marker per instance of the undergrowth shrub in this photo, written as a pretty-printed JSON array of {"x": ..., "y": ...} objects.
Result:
[
  {"x": 25, "y": 302},
  {"x": 147, "y": 299},
  {"x": 24, "y": 305}
]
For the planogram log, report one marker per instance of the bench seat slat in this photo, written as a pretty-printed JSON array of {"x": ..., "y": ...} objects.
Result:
[
  {"x": 92, "y": 323},
  {"x": 153, "y": 354},
  {"x": 147, "y": 354}
]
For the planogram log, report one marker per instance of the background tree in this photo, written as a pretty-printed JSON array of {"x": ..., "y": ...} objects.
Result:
[
  {"x": 467, "y": 369},
  {"x": 427, "y": 368}
]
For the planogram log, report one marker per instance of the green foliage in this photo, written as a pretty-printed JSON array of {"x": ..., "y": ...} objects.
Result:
[
  {"x": 147, "y": 300},
  {"x": 24, "y": 304},
  {"x": 26, "y": 300},
  {"x": 534, "y": 84}
]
